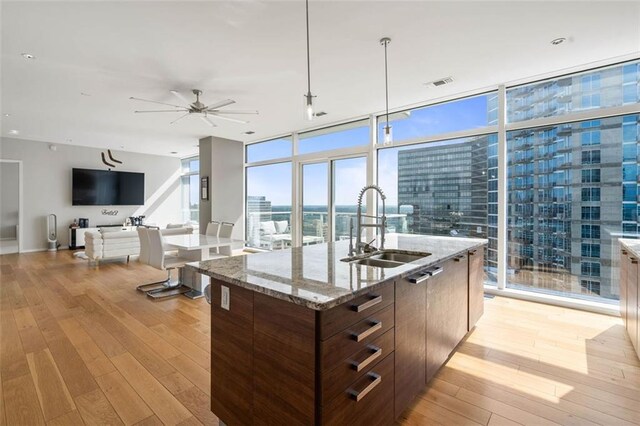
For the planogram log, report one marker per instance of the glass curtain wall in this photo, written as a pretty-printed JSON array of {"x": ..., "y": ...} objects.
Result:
[
  {"x": 572, "y": 187},
  {"x": 444, "y": 188},
  {"x": 190, "y": 190}
]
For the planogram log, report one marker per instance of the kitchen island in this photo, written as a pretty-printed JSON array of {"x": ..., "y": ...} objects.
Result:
[{"x": 300, "y": 336}]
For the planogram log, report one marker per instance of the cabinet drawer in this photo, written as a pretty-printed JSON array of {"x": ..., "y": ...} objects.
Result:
[
  {"x": 353, "y": 367},
  {"x": 342, "y": 316},
  {"x": 355, "y": 338},
  {"x": 368, "y": 401}
]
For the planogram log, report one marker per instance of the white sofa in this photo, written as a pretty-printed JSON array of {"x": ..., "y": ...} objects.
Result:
[{"x": 100, "y": 245}]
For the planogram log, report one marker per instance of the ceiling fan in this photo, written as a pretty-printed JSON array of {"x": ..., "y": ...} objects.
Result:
[{"x": 205, "y": 112}]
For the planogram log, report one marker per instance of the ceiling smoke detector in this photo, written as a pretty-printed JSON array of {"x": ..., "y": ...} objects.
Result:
[
  {"x": 28, "y": 56},
  {"x": 557, "y": 41},
  {"x": 250, "y": 132},
  {"x": 439, "y": 82}
]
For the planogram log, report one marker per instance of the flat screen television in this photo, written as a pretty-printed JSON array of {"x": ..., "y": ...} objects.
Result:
[{"x": 107, "y": 188}]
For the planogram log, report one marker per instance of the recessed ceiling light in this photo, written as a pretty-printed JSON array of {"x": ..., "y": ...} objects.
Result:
[
  {"x": 14, "y": 132},
  {"x": 174, "y": 152},
  {"x": 320, "y": 113},
  {"x": 557, "y": 41},
  {"x": 7, "y": 115},
  {"x": 28, "y": 56},
  {"x": 250, "y": 132}
]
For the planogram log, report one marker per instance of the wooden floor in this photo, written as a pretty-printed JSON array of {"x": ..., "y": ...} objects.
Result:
[{"x": 79, "y": 345}]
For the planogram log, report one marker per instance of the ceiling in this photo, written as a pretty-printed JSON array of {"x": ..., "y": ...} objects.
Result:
[{"x": 92, "y": 56}]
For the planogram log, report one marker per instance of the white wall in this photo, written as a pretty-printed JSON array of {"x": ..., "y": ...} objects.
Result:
[
  {"x": 9, "y": 200},
  {"x": 47, "y": 188}
]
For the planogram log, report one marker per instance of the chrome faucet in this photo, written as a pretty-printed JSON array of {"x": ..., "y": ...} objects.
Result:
[{"x": 361, "y": 247}]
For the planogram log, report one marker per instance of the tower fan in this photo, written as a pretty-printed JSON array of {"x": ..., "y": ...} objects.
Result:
[{"x": 52, "y": 232}]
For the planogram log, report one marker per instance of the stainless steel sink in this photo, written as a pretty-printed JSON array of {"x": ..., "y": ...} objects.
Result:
[
  {"x": 387, "y": 259},
  {"x": 399, "y": 257},
  {"x": 379, "y": 263}
]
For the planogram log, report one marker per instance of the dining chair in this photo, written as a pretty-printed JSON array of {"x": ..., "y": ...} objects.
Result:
[
  {"x": 160, "y": 260},
  {"x": 212, "y": 228},
  {"x": 226, "y": 229},
  {"x": 143, "y": 235}
]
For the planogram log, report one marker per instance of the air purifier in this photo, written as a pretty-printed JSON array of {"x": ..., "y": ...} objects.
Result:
[{"x": 52, "y": 232}]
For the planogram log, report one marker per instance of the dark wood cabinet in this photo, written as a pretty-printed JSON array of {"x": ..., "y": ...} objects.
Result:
[
  {"x": 476, "y": 286},
  {"x": 410, "y": 329},
  {"x": 359, "y": 363},
  {"x": 446, "y": 312},
  {"x": 630, "y": 297}
]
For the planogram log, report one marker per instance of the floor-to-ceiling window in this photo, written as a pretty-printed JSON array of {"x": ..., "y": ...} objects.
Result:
[
  {"x": 268, "y": 209},
  {"x": 444, "y": 186},
  {"x": 190, "y": 185},
  {"x": 572, "y": 186},
  {"x": 568, "y": 147}
]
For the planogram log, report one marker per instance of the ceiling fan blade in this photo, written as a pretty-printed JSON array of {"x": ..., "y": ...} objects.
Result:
[
  {"x": 208, "y": 121},
  {"x": 156, "y": 102},
  {"x": 181, "y": 97},
  {"x": 235, "y": 120},
  {"x": 221, "y": 104},
  {"x": 179, "y": 118},
  {"x": 163, "y": 110},
  {"x": 231, "y": 111}
]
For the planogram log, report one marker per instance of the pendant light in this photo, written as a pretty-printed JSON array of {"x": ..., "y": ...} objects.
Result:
[
  {"x": 388, "y": 135},
  {"x": 308, "y": 104}
]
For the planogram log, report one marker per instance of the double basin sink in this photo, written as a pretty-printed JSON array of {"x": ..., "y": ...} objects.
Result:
[{"x": 387, "y": 258}]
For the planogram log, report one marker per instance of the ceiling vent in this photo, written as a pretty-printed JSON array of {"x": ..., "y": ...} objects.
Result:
[{"x": 440, "y": 82}]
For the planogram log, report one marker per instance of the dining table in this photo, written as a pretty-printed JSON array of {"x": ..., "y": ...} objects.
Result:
[{"x": 197, "y": 247}]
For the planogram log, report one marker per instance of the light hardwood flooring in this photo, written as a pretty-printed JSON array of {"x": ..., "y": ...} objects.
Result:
[{"x": 79, "y": 345}]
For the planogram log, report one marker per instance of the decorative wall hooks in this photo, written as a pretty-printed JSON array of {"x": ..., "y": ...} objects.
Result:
[{"x": 104, "y": 159}]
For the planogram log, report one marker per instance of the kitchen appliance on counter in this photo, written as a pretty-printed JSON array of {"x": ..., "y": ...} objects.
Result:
[{"x": 136, "y": 220}]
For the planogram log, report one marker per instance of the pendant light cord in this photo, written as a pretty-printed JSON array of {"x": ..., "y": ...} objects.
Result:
[
  {"x": 308, "y": 55},
  {"x": 386, "y": 81}
]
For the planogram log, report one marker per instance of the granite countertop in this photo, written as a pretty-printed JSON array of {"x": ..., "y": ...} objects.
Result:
[
  {"x": 632, "y": 245},
  {"x": 315, "y": 277}
]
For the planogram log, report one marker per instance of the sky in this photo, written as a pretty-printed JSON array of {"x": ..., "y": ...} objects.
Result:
[{"x": 274, "y": 181}]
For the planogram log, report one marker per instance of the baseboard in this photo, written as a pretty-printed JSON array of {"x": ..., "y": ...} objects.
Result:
[{"x": 32, "y": 250}]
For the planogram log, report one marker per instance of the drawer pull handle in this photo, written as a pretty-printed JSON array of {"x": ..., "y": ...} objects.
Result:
[
  {"x": 633, "y": 260},
  {"x": 375, "y": 382},
  {"x": 417, "y": 279},
  {"x": 359, "y": 366},
  {"x": 377, "y": 325},
  {"x": 472, "y": 252},
  {"x": 366, "y": 305},
  {"x": 436, "y": 270},
  {"x": 458, "y": 258},
  {"x": 624, "y": 252}
]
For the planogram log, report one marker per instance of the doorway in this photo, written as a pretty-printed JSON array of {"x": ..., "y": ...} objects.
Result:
[
  {"x": 329, "y": 192},
  {"x": 10, "y": 206}
]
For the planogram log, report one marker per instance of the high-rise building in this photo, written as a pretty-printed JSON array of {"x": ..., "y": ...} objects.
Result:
[
  {"x": 450, "y": 189},
  {"x": 258, "y": 210},
  {"x": 573, "y": 187}
]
